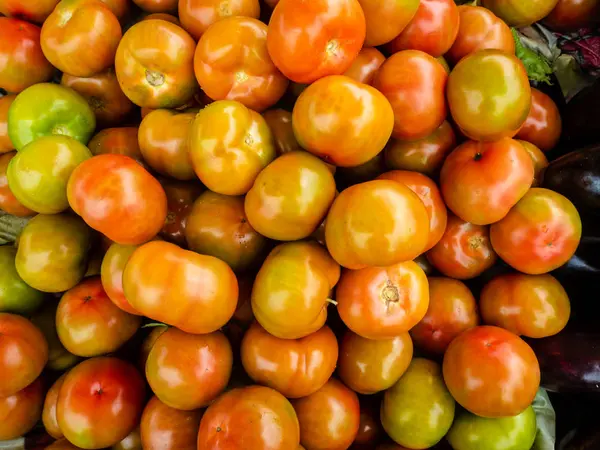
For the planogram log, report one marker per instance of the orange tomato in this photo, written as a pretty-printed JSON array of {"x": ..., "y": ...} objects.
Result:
[
  {"x": 6, "y": 144},
  {"x": 19, "y": 412},
  {"x": 157, "y": 6},
  {"x": 111, "y": 273},
  {"x": 36, "y": 11},
  {"x": 310, "y": 39},
  {"x": 163, "y": 16},
  {"x": 543, "y": 125},
  {"x": 366, "y": 65},
  {"x": 280, "y": 123},
  {"x": 49, "y": 410},
  {"x": 197, "y": 15},
  {"x": 386, "y": 20},
  {"x": 120, "y": 8},
  {"x": 8, "y": 202},
  {"x": 540, "y": 162},
  {"x": 118, "y": 141},
  {"x": 232, "y": 63}
]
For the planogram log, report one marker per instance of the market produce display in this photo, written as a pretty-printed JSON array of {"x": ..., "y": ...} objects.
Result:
[{"x": 294, "y": 224}]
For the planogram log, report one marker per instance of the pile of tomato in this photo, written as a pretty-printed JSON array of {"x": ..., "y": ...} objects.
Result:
[{"x": 301, "y": 224}]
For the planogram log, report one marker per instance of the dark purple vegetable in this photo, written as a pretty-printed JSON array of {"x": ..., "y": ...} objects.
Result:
[{"x": 581, "y": 123}]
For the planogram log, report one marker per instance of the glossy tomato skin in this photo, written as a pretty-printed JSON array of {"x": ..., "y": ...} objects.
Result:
[
  {"x": 294, "y": 367},
  {"x": 324, "y": 111},
  {"x": 540, "y": 162},
  {"x": 61, "y": 444},
  {"x": 132, "y": 219},
  {"x": 543, "y": 125},
  {"x": 132, "y": 441},
  {"x": 366, "y": 64},
  {"x": 290, "y": 197},
  {"x": 111, "y": 273},
  {"x": 19, "y": 412},
  {"x": 570, "y": 15},
  {"x": 6, "y": 144},
  {"x": 518, "y": 14},
  {"x": 120, "y": 141},
  {"x": 539, "y": 234},
  {"x": 8, "y": 202},
  {"x": 180, "y": 199},
  {"x": 157, "y": 6},
  {"x": 329, "y": 418},
  {"x": 291, "y": 290},
  {"x": 204, "y": 288},
  {"x": 310, "y": 39},
  {"x": 452, "y": 310},
  {"x": 481, "y": 181},
  {"x": 415, "y": 84},
  {"x": 255, "y": 417},
  {"x": 232, "y": 63},
  {"x": 36, "y": 11},
  {"x": 280, "y": 123},
  {"x": 16, "y": 296},
  {"x": 49, "y": 409},
  {"x": 370, "y": 430},
  {"x": 154, "y": 64},
  {"x": 24, "y": 63},
  {"x": 197, "y": 15},
  {"x": 390, "y": 219},
  {"x": 386, "y": 20}
]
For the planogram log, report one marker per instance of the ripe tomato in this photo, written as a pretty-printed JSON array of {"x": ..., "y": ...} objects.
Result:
[
  {"x": 157, "y": 6},
  {"x": 366, "y": 64},
  {"x": 464, "y": 251},
  {"x": 349, "y": 176},
  {"x": 294, "y": 367},
  {"x": 432, "y": 30},
  {"x": 330, "y": 120},
  {"x": 217, "y": 226},
  {"x": 310, "y": 39},
  {"x": 196, "y": 293},
  {"x": 16, "y": 296},
  {"x": 499, "y": 82},
  {"x": 75, "y": 47},
  {"x": 280, "y": 123},
  {"x": 49, "y": 409},
  {"x": 377, "y": 223},
  {"x": 24, "y": 64},
  {"x": 479, "y": 29},
  {"x": 543, "y": 124},
  {"x": 120, "y": 8},
  {"x": 61, "y": 444},
  {"x": 386, "y": 20},
  {"x": 415, "y": 84},
  {"x": 481, "y": 181},
  {"x": 180, "y": 199},
  {"x": 8, "y": 202},
  {"x": 100, "y": 402},
  {"x": 6, "y": 144},
  {"x": 19, "y": 412},
  {"x": 232, "y": 63},
  {"x": 36, "y": 11},
  {"x": 119, "y": 141},
  {"x": 571, "y": 15},
  {"x": 197, "y": 15},
  {"x": 431, "y": 197},
  {"x": 539, "y": 234},
  {"x": 370, "y": 430},
  {"x": 329, "y": 418},
  {"x": 168, "y": 428},
  {"x": 505, "y": 367},
  {"x": 519, "y": 14},
  {"x": 111, "y": 272},
  {"x": 253, "y": 417},
  {"x": 540, "y": 162},
  {"x": 155, "y": 64},
  {"x": 104, "y": 180},
  {"x": 452, "y": 310}
]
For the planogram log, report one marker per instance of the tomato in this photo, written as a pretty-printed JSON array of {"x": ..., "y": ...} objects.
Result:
[
  {"x": 148, "y": 343},
  {"x": 408, "y": 407},
  {"x": 243, "y": 313},
  {"x": 100, "y": 402},
  {"x": 543, "y": 125},
  {"x": 329, "y": 418},
  {"x": 540, "y": 162},
  {"x": 228, "y": 138},
  {"x": 377, "y": 223},
  {"x": 19, "y": 412},
  {"x": 38, "y": 174},
  {"x": 349, "y": 176},
  {"x": 415, "y": 84},
  {"x": 232, "y": 63},
  {"x": 163, "y": 139},
  {"x": 431, "y": 197},
  {"x": 310, "y": 39},
  {"x": 180, "y": 199},
  {"x": 280, "y": 124},
  {"x": 505, "y": 367},
  {"x": 386, "y": 20},
  {"x": 330, "y": 120},
  {"x": 539, "y": 234},
  {"x": 52, "y": 252},
  {"x": 292, "y": 288},
  {"x": 155, "y": 64},
  {"x": 111, "y": 271},
  {"x": 452, "y": 310},
  {"x": 425, "y": 155},
  {"x": 132, "y": 441},
  {"x": 479, "y": 29},
  {"x": 432, "y": 30},
  {"x": 465, "y": 250},
  {"x": 157, "y": 6},
  {"x": 168, "y": 428},
  {"x": 8, "y": 202},
  {"x": 133, "y": 218},
  {"x": 196, "y": 293},
  {"x": 36, "y": 11},
  {"x": 519, "y": 14},
  {"x": 61, "y": 444},
  {"x": 49, "y": 409},
  {"x": 163, "y": 16},
  {"x": 294, "y": 367},
  {"x": 45, "y": 109},
  {"x": 120, "y": 8},
  {"x": 119, "y": 141},
  {"x": 16, "y": 296},
  {"x": 24, "y": 64},
  {"x": 366, "y": 64},
  {"x": 481, "y": 181},
  {"x": 5, "y": 143},
  {"x": 369, "y": 430},
  {"x": 197, "y": 15},
  {"x": 571, "y": 15},
  {"x": 217, "y": 226}
]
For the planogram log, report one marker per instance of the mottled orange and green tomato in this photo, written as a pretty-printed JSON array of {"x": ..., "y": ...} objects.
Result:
[
  {"x": 120, "y": 141},
  {"x": 21, "y": 411},
  {"x": 35, "y": 12},
  {"x": 520, "y": 14},
  {"x": 8, "y": 202},
  {"x": 197, "y": 15},
  {"x": 365, "y": 66},
  {"x": 386, "y": 20},
  {"x": 111, "y": 273},
  {"x": 540, "y": 162}
]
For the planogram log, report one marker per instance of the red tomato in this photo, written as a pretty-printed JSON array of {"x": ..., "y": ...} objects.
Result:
[
  {"x": 383, "y": 302},
  {"x": 119, "y": 141},
  {"x": 386, "y": 20},
  {"x": 571, "y": 15},
  {"x": 23, "y": 63},
  {"x": 197, "y": 15},
  {"x": 8, "y": 202},
  {"x": 280, "y": 123},
  {"x": 157, "y": 6},
  {"x": 118, "y": 197},
  {"x": 540, "y": 162},
  {"x": 491, "y": 372},
  {"x": 33, "y": 11},
  {"x": 6, "y": 144},
  {"x": 19, "y": 412},
  {"x": 543, "y": 124},
  {"x": 365, "y": 66},
  {"x": 370, "y": 430},
  {"x": 111, "y": 272},
  {"x": 452, "y": 310},
  {"x": 49, "y": 410},
  {"x": 415, "y": 84},
  {"x": 310, "y": 39},
  {"x": 539, "y": 234}
]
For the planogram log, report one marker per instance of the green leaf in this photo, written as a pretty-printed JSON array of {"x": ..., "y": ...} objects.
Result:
[
  {"x": 537, "y": 65},
  {"x": 11, "y": 227},
  {"x": 546, "y": 422}
]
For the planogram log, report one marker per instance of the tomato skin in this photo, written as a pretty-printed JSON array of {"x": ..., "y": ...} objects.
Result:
[
  {"x": 5, "y": 143},
  {"x": 49, "y": 409},
  {"x": 329, "y": 418},
  {"x": 366, "y": 64},
  {"x": 539, "y": 234},
  {"x": 370, "y": 430},
  {"x": 61, "y": 444},
  {"x": 253, "y": 417},
  {"x": 111, "y": 273},
  {"x": 197, "y": 15},
  {"x": 310, "y": 39},
  {"x": 197, "y": 284},
  {"x": 452, "y": 310},
  {"x": 157, "y": 6},
  {"x": 386, "y": 20},
  {"x": 16, "y": 296},
  {"x": 294, "y": 367},
  {"x": 415, "y": 85},
  {"x": 232, "y": 63},
  {"x": 543, "y": 125},
  {"x": 291, "y": 289},
  {"x": 19, "y": 412},
  {"x": 540, "y": 162},
  {"x": 180, "y": 199},
  {"x": 395, "y": 229},
  {"x": 571, "y": 15},
  {"x": 8, "y": 202},
  {"x": 518, "y": 14},
  {"x": 280, "y": 123},
  {"x": 36, "y": 11},
  {"x": 119, "y": 141}
]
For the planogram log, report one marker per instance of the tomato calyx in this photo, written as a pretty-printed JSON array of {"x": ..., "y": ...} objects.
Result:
[
  {"x": 155, "y": 78},
  {"x": 390, "y": 293},
  {"x": 475, "y": 242},
  {"x": 478, "y": 156}
]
